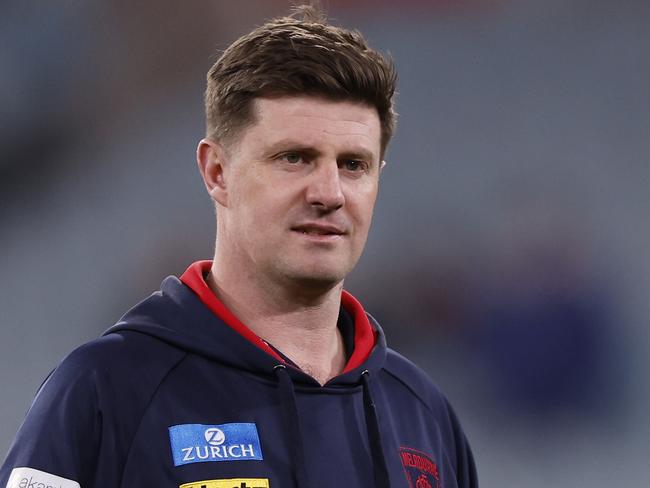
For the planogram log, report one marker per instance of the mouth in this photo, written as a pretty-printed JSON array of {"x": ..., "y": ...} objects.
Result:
[{"x": 319, "y": 231}]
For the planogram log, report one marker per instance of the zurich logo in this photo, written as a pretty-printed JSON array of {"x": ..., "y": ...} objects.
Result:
[
  {"x": 214, "y": 436},
  {"x": 199, "y": 443}
]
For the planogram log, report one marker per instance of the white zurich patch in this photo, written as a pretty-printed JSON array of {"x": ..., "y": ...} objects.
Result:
[{"x": 33, "y": 478}]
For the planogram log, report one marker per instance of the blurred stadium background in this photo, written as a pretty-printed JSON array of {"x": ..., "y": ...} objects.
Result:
[{"x": 510, "y": 251}]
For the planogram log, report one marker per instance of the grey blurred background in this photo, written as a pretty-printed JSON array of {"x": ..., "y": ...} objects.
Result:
[{"x": 510, "y": 251}]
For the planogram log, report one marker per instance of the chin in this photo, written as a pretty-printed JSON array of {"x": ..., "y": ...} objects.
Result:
[{"x": 315, "y": 278}]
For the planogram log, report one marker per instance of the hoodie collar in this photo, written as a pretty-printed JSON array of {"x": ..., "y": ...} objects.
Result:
[{"x": 364, "y": 334}]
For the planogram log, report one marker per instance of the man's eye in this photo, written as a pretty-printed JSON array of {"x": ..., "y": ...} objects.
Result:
[
  {"x": 292, "y": 158},
  {"x": 353, "y": 165}
]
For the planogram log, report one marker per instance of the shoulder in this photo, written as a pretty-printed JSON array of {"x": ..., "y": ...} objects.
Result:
[
  {"x": 413, "y": 378},
  {"x": 404, "y": 378},
  {"x": 419, "y": 386},
  {"x": 93, "y": 401},
  {"x": 122, "y": 350},
  {"x": 100, "y": 389},
  {"x": 112, "y": 364}
]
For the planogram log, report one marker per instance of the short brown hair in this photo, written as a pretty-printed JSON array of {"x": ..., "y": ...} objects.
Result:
[{"x": 297, "y": 55}]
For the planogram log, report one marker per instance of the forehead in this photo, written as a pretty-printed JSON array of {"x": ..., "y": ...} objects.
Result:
[{"x": 314, "y": 121}]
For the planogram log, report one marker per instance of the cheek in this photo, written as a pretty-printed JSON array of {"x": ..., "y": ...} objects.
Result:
[
  {"x": 259, "y": 210},
  {"x": 362, "y": 206}
]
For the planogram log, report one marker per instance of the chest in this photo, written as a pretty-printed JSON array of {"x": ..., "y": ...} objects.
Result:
[{"x": 214, "y": 427}]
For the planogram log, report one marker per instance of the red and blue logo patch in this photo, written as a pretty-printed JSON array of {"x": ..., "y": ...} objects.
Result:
[{"x": 420, "y": 470}]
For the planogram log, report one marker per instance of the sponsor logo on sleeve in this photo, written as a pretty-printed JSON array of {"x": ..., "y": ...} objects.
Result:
[
  {"x": 230, "y": 483},
  {"x": 420, "y": 470},
  {"x": 34, "y": 478},
  {"x": 198, "y": 443}
]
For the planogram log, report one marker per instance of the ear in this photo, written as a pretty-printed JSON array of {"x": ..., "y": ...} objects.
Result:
[{"x": 210, "y": 157}]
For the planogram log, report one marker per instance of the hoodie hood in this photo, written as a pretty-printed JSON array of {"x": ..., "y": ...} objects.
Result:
[{"x": 187, "y": 314}]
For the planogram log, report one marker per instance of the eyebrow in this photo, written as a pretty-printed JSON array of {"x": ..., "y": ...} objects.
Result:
[
  {"x": 292, "y": 145},
  {"x": 359, "y": 154}
]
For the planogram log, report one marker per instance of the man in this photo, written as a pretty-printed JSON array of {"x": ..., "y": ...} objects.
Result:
[{"x": 256, "y": 369}]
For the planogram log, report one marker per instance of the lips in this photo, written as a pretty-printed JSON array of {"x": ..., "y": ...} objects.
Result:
[{"x": 319, "y": 229}]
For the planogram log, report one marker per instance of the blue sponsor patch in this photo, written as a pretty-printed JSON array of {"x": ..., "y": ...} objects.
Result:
[{"x": 199, "y": 443}]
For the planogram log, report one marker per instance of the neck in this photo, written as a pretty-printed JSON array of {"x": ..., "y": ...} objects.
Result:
[{"x": 300, "y": 322}]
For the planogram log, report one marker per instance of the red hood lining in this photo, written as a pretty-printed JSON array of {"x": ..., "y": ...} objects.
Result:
[{"x": 364, "y": 334}]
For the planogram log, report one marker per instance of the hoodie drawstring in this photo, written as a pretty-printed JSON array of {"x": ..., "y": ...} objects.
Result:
[
  {"x": 292, "y": 420},
  {"x": 374, "y": 435}
]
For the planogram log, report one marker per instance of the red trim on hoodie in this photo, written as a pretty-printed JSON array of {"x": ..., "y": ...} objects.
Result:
[
  {"x": 193, "y": 277},
  {"x": 364, "y": 335}
]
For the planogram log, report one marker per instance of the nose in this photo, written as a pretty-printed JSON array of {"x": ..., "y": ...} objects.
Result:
[{"x": 324, "y": 190}]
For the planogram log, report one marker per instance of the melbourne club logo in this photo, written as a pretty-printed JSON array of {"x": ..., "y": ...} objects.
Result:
[
  {"x": 419, "y": 468},
  {"x": 199, "y": 443}
]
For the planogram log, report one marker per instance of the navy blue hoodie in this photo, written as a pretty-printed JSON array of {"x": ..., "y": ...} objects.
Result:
[{"x": 179, "y": 393}]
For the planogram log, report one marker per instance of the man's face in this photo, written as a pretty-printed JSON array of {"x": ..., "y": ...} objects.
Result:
[{"x": 301, "y": 184}]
